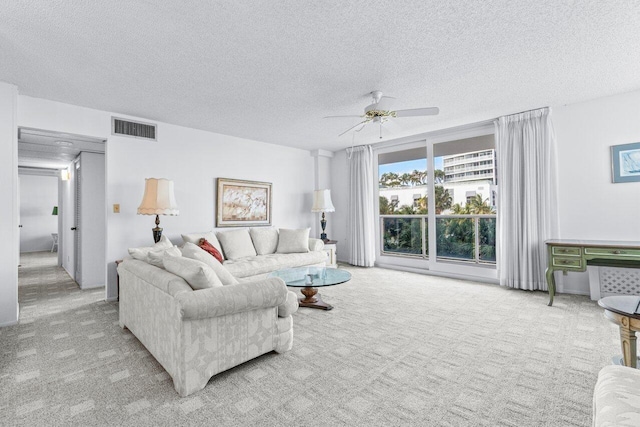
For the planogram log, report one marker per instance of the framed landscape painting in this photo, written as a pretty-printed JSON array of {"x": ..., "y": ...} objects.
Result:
[
  {"x": 243, "y": 203},
  {"x": 625, "y": 162}
]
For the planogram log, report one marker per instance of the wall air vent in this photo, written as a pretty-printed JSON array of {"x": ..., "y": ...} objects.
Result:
[{"x": 134, "y": 129}]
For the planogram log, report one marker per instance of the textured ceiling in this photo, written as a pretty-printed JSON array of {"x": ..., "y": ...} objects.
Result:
[{"x": 271, "y": 71}]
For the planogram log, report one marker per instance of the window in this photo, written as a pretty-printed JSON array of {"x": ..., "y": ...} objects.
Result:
[{"x": 462, "y": 216}]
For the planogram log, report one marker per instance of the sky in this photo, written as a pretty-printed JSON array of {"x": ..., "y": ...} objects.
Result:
[{"x": 408, "y": 166}]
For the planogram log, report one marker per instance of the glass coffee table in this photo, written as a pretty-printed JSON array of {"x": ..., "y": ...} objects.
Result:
[{"x": 310, "y": 279}]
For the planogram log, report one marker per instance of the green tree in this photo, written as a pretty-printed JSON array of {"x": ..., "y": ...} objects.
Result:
[
  {"x": 387, "y": 207},
  {"x": 389, "y": 179},
  {"x": 405, "y": 179}
]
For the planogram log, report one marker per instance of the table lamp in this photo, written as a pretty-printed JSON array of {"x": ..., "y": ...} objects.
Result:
[
  {"x": 322, "y": 203},
  {"x": 158, "y": 200}
]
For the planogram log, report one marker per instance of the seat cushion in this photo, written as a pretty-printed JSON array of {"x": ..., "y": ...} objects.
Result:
[
  {"x": 616, "y": 397},
  {"x": 252, "y": 266}
]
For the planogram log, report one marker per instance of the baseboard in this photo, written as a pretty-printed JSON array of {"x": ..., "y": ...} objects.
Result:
[
  {"x": 573, "y": 292},
  {"x": 439, "y": 274},
  {"x": 91, "y": 287},
  {"x": 11, "y": 323}
]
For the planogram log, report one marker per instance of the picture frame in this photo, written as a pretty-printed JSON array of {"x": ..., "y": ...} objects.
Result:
[
  {"x": 625, "y": 163},
  {"x": 241, "y": 203}
]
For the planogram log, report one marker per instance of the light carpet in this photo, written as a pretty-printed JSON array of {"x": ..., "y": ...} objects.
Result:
[{"x": 398, "y": 349}]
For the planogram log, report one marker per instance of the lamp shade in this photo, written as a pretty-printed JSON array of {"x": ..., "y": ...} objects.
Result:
[
  {"x": 158, "y": 198},
  {"x": 322, "y": 201}
]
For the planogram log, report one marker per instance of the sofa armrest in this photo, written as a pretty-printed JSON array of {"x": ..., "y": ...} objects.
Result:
[
  {"x": 223, "y": 300},
  {"x": 315, "y": 245},
  {"x": 288, "y": 307}
]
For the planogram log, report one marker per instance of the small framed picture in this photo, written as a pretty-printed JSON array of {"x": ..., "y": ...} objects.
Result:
[
  {"x": 625, "y": 162},
  {"x": 243, "y": 203}
]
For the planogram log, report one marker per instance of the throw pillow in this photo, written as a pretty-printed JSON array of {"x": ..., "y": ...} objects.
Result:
[
  {"x": 142, "y": 253},
  {"x": 236, "y": 244},
  {"x": 197, "y": 274},
  {"x": 208, "y": 247},
  {"x": 156, "y": 257},
  {"x": 265, "y": 240},
  {"x": 209, "y": 235},
  {"x": 293, "y": 241},
  {"x": 221, "y": 271}
]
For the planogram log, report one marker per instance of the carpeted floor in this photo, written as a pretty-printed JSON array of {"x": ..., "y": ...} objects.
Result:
[{"x": 398, "y": 349}]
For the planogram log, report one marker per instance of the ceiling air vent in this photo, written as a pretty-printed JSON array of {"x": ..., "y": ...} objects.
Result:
[{"x": 134, "y": 129}]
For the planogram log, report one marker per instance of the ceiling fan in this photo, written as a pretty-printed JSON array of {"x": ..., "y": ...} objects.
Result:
[{"x": 377, "y": 113}]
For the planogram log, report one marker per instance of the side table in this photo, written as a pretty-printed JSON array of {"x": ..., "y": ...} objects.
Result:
[
  {"x": 623, "y": 311},
  {"x": 117, "y": 280},
  {"x": 331, "y": 248}
]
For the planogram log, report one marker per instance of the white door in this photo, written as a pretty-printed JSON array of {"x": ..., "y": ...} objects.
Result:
[{"x": 76, "y": 226}]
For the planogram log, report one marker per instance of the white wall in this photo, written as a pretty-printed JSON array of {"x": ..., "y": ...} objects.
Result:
[
  {"x": 92, "y": 225},
  {"x": 340, "y": 199},
  {"x": 192, "y": 159},
  {"x": 322, "y": 180},
  {"x": 38, "y": 196},
  {"x": 590, "y": 205},
  {"x": 9, "y": 213}
]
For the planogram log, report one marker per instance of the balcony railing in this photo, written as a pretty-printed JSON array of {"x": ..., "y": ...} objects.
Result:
[{"x": 467, "y": 238}]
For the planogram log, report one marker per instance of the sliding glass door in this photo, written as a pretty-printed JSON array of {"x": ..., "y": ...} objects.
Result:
[{"x": 438, "y": 209}]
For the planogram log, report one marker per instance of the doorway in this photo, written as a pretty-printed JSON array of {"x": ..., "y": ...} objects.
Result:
[{"x": 80, "y": 202}]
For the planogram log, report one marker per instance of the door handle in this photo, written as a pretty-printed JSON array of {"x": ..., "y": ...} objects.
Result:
[{"x": 73, "y": 228}]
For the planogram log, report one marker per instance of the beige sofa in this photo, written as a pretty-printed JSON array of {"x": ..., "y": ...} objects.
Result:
[
  {"x": 616, "y": 397},
  {"x": 199, "y": 324},
  {"x": 254, "y": 253},
  {"x": 197, "y": 334}
]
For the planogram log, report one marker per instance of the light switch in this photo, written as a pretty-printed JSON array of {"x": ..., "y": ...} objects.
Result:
[{"x": 116, "y": 208}]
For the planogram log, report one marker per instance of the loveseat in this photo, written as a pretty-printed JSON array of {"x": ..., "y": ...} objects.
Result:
[
  {"x": 196, "y": 317},
  {"x": 616, "y": 397}
]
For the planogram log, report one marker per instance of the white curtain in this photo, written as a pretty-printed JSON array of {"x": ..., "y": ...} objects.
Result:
[
  {"x": 527, "y": 197},
  {"x": 361, "y": 223}
]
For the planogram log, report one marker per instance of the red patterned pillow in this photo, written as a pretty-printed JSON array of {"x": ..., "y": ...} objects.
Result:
[{"x": 208, "y": 247}]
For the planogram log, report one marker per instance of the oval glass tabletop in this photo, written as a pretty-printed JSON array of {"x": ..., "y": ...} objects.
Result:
[{"x": 306, "y": 277}]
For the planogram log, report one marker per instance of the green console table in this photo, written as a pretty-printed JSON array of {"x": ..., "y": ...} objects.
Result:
[{"x": 574, "y": 255}]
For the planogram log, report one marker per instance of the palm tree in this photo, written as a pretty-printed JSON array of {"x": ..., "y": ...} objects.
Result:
[
  {"x": 477, "y": 206},
  {"x": 443, "y": 199},
  {"x": 405, "y": 179},
  {"x": 389, "y": 179},
  {"x": 387, "y": 207}
]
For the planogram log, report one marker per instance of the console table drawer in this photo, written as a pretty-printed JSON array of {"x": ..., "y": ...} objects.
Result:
[
  {"x": 568, "y": 263},
  {"x": 566, "y": 251},
  {"x": 621, "y": 253}
]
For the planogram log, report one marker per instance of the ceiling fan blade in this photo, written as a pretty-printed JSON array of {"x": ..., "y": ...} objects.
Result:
[
  {"x": 431, "y": 111},
  {"x": 339, "y": 117},
  {"x": 354, "y": 126}
]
